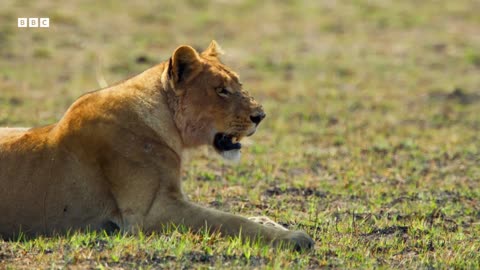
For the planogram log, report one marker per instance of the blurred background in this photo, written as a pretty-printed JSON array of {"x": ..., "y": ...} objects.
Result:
[{"x": 313, "y": 53}]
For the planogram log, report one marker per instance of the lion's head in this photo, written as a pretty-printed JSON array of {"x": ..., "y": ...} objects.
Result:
[{"x": 210, "y": 104}]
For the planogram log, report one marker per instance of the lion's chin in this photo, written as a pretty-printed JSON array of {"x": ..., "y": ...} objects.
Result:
[
  {"x": 227, "y": 146},
  {"x": 232, "y": 155}
]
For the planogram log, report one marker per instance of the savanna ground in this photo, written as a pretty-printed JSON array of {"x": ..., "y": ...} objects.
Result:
[{"x": 371, "y": 142}]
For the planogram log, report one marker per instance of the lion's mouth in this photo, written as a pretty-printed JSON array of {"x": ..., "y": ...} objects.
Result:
[{"x": 225, "y": 142}]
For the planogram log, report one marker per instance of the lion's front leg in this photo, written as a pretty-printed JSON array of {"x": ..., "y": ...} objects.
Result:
[{"x": 182, "y": 212}]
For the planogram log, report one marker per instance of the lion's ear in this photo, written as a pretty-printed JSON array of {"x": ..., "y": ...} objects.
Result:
[
  {"x": 184, "y": 64},
  {"x": 213, "y": 50}
]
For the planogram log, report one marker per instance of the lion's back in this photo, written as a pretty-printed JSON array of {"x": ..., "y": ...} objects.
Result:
[
  {"x": 8, "y": 134},
  {"x": 44, "y": 188}
]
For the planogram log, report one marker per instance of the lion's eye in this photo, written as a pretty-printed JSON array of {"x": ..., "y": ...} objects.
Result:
[{"x": 222, "y": 91}]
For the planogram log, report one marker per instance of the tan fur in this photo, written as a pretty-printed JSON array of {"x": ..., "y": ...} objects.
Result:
[
  {"x": 114, "y": 159},
  {"x": 267, "y": 222}
]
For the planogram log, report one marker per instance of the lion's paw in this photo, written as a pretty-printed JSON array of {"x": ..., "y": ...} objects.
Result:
[
  {"x": 267, "y": 222},
  {"x": 297, "y": 240}
]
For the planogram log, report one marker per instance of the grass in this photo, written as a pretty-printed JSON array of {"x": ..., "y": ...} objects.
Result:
[{"x": 371, "y": 141}]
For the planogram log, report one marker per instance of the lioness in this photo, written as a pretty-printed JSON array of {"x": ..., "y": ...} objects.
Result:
[{"x": 114, "y": 159}]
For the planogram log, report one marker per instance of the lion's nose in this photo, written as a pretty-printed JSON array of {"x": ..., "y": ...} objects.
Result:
[{"x": 257, "y": 118}]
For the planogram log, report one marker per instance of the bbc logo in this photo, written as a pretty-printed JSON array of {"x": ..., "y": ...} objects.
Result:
[{"x": 33, "y": 22}]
